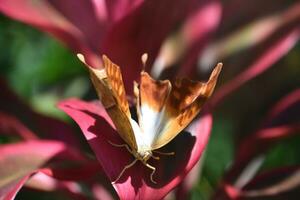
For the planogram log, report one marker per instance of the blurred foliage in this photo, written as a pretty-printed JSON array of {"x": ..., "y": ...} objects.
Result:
[
  {"x": 38, "y": 67},
  {"x": 241, "y": 114},
  {"x": 220, "y": 150},
  {"x": 42, "y": 71},
  {"x": 286, "y": 153}
]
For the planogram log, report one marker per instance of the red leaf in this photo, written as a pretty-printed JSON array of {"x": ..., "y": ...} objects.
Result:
[{"x": 135, "y": 183}]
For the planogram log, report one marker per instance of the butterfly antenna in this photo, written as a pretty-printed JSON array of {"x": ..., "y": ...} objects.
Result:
[
  {"x": 155, "y": 157},
  {"x": 124, "y": 169},
  {"x": 165, "y": 153},
  {"x": 144, "y": 59}
]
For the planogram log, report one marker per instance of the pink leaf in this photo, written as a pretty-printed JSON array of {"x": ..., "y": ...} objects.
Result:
[
  {"x": 20, "y": 160},
  {"x": 101, "y": 193},
  {"x": 198, "y": 30},
  {"x": 44, "y": 183},
  {"x": 9, "y": 192},
  {"x": 183, "y": 191},
  {"x": 135, "y": 183}
]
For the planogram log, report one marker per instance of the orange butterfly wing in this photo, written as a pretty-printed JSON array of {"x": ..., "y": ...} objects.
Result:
[
  {"x": 184, "y": 102},
  {"x": 111, "y": 91}
]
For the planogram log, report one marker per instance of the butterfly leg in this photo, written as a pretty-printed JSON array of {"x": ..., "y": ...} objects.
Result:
[
  {"x": 153, "y": 171},
  {"x": 120, "y": 145},
  {"x": 164, "y": 153},
  {"x": 124, "y": 169}
]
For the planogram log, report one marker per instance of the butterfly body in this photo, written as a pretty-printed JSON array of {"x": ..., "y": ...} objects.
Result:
[
  {"x": 143, "y": 151},
  {"x": 163, "y": 109}
]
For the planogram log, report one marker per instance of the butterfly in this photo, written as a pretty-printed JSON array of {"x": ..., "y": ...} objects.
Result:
[{"x": 163, "y": 108}]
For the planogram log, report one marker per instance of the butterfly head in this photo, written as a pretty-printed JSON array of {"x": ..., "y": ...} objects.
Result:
[{"x": 143, "y": 155}]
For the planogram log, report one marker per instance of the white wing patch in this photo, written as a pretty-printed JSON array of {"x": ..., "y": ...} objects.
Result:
[{"x": 151, "y": 122}]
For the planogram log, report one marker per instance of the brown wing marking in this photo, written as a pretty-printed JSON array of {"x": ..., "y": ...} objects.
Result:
[
  {"x": 153, "y": 93},
  {"x": 114, "y": 76},
  {"x": 184, "y": 103},
  {"x": 110, "y": 89}
]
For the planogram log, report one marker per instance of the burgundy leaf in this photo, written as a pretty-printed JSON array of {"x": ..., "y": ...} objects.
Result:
[
  {"x": 247, "y": 11},
  {"x": 250, "y": 149},
  {"x": 116, "y": 28},
  {"x": 246, "y": 36},
  {"x": 280, "y": 183},
  {"x": 9, "y": 125},
  {"x": 129, "y": 38},
  {"x": 116, "y": 9},
  {"x": 80, "y": 171},
  {"x": 188, "y": 41},
  {"x": 274, "y": 183},
  {"x": 23, "y": 120},
  {"x": 135, "y": 183},
  {"x": 285, "y": 111},
  {"x": 274, "y": 127}
]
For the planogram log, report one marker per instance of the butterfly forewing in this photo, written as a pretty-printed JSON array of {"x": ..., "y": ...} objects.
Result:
[
  {"x": 153, "y": 96},
  {"x": 154, "y": 93},
  {"x": 110, "y": 88},
  {"x": 183, "y": 104},
  {"x": 115, "y": 79}
]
